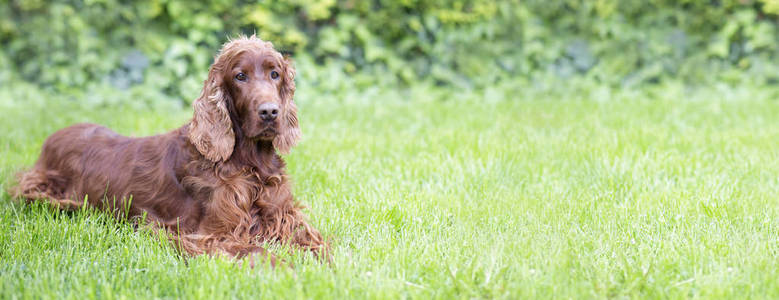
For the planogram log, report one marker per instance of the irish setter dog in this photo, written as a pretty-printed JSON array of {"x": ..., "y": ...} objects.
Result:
[{"x": 216, "y": 184}]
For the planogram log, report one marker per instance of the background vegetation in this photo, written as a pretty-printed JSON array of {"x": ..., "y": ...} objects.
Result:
[
  {"x": 165, "y": 46},
  {"x": 452, "y": 149}
]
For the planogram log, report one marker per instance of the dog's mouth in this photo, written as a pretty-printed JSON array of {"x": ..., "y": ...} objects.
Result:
[
  {"x": 267, "y": 133},
  {"x": 261, "y": 131}
]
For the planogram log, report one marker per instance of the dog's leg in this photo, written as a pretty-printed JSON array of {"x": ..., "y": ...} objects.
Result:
[
  {"x": 308, "y": 238},
  {"x": 49, "y": 185},
  {"x": 254, "y": 255},
  {"x": 199, "y": 244}
]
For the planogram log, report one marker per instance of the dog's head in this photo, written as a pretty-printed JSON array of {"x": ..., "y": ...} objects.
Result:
[{"x": 248, "y": 92}]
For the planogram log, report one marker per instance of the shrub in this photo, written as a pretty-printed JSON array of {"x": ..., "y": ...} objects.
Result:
[{"x": 166, "y": 45}]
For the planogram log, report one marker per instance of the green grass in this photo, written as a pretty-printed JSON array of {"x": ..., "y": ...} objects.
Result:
[{"x": 662, "y": 193}]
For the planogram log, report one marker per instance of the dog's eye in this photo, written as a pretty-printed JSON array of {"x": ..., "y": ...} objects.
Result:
[
  {"x": 240, "y": 77},
  {"x": 274, "y": 74}
]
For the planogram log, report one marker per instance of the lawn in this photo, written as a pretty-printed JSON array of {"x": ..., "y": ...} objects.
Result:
[{"x": 661, "y": 192}]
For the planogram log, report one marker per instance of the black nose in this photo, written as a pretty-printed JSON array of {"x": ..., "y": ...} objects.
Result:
[{"x": 269, "y": 111}]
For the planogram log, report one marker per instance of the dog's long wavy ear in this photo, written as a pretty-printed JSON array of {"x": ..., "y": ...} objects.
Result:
[
  {"x": 289, "y": 131},
  {"x": 211, "y": 130}
]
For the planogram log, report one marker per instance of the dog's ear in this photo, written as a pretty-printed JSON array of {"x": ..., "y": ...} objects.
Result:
[
  {"x": 289, "y": 131},
  {"x": 211, "y": 130}
]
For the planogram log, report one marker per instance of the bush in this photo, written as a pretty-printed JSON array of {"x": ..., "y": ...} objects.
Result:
[{"x": 166, "y": 45}]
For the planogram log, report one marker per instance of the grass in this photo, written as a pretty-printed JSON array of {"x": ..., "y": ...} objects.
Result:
[{"x": 662, "y": 193}]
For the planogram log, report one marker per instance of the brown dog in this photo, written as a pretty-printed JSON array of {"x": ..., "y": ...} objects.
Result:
[{"x": 216, "y": 183}]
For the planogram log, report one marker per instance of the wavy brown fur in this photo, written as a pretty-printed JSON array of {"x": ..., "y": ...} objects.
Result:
[{"x": 216, "y": 184}]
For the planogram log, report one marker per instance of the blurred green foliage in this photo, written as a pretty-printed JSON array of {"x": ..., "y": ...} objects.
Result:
[{"x": 165, "y": 46}]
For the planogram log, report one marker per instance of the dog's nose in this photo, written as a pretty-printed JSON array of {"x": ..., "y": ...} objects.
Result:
[{"x": 269, "y": 111}]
